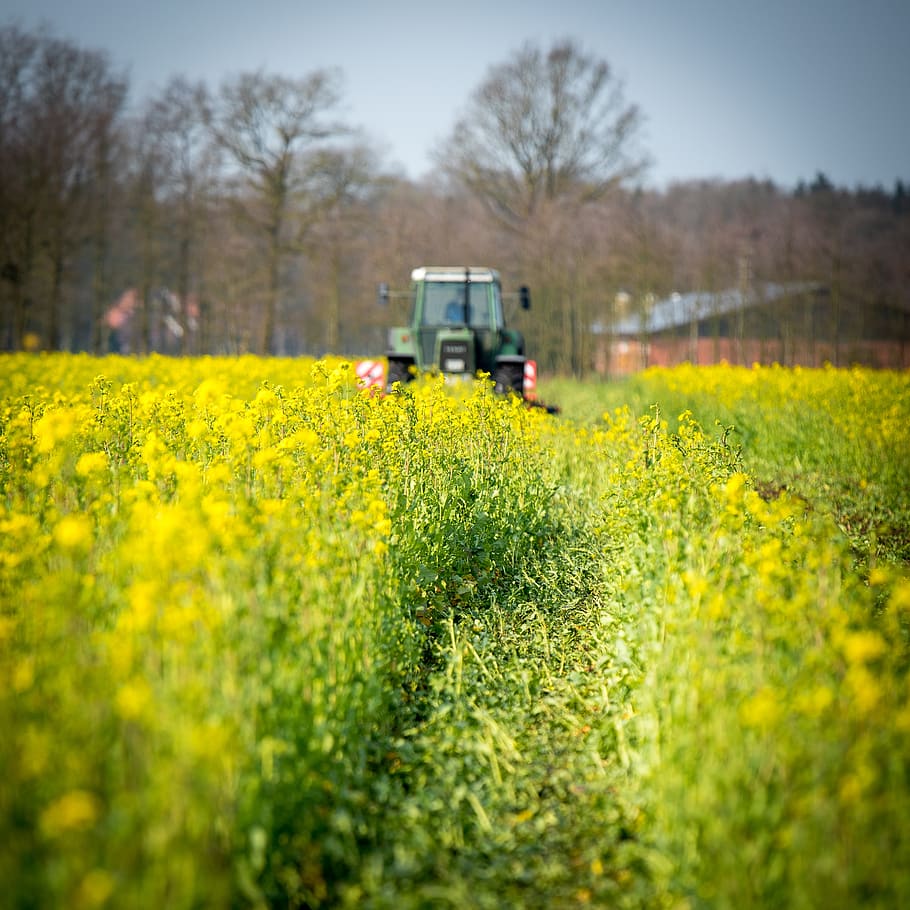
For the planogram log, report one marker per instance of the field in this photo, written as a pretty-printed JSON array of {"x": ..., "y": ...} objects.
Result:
[{"x": 267, "y": 640}]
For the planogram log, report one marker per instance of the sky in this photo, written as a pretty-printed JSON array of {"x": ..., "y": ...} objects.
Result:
[{"x": 770, "y": 89}]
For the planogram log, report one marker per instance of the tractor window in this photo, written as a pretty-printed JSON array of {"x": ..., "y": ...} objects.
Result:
[
  {"x": 437, "y": 300},
  {"x": 443, "y": 304},
  {"x": 479, "y": 315}
]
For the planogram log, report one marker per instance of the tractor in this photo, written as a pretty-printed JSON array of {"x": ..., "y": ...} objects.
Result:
[{"x": 457, "y": 328}]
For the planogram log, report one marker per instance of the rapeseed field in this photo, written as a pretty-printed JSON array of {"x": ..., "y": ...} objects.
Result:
[{"x": 267, "y": 639}]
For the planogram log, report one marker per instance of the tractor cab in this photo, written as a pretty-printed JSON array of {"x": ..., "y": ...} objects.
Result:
[{"x": 457, "y": 327}]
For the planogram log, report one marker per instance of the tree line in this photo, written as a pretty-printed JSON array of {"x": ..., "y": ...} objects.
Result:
[{"x": 248, "y": 217}]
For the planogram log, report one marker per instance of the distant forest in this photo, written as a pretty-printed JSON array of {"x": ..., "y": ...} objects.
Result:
[{"x": 247, "y": 217}]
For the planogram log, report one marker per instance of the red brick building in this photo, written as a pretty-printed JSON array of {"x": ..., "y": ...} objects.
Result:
[{"x": 798, "y": 324}]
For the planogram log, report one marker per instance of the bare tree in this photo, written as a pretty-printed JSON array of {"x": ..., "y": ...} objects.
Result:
[
  {"x": 176, "y": 124},
  {"x": 544, "y": 126},
  {"x": 106, "y": 139},
  {"x": 147, "y": 218},
  {"x": 546, "y": 133},
  {"x": 74, "y": 91},
  {"x": 266, "y": 124},
  {"x": 18, "y": 205},
  {"x": 345, "y": 183},
  {"x": 59, "y": 116}
]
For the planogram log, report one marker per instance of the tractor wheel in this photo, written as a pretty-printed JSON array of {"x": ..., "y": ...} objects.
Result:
[
  {"x": 508, "y": 378},
  {"x": 399, "y": 371}
]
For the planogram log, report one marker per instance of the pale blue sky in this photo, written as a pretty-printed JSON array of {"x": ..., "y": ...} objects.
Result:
[{"x": 777, "y": 89}]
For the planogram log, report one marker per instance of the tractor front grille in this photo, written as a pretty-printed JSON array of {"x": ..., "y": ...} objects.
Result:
[{"x": 455, "y": 357}]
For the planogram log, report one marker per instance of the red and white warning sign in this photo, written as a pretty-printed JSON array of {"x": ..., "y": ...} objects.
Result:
[
  {"x": 530, "y": 380},
  {"x": 370, "y": 374}
]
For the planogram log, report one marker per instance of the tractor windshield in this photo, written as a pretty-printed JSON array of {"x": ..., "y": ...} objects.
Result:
[{"x": 444, "y": 304}]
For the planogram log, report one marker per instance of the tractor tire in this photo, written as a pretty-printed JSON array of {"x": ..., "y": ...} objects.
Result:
[
  {"x": 399, "y": 371},
  {"x": 508, "y": 379}
]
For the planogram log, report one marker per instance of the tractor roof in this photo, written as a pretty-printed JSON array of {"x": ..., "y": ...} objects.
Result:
[{"x": 453, "y": 273}]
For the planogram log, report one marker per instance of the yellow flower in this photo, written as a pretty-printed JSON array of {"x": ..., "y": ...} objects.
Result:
[
  {"x": 815, "y": 701},
  {"x": 266, "y": 401},
  {"x": 734, "y": 489},
  {"x": 143, "y": 600},
  {"x": 696, "y": 584},
  {"x": 900, "y": 596},
  {"x": 133, "y": 699},
  {"x": 854, "y": 784},
  {"x": 864, "y": 687},
  {"x": 154, "y": 455},
  {"x": 265, "y": 457},
  {"x": 178, "y": 621},
  {"x": 24, "y": 674},
  {"x": 861, "y": 647},
  {"x": 54, "y": 427},
  {"x": 218, "y": 475},
  {"x": 197, "y": 429},
  {"x": 95, "y": 888},
  {"x": 208, "y": 392},
  {"x": 73, "y": 811},
  {"x": 91, "y": 463},
  {"x": 718, "y": 607},
  {"x": 73, "y": 532},
  {"x": 879, "y": 575},
  {"x": 762, "y": 710}
]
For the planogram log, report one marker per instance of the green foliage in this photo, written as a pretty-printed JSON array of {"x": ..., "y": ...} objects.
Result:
[{"x": 266, "y": 640}]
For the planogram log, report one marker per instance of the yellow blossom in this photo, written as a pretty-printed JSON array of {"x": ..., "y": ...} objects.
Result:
[
  {"x": 762, "y": 710},
  {"x": 864, "y": 687},
  {"x": 133, "y": 699},
  {"x": 24, "y": 674},
  {"x": 53, "y": 428},
  {"x": 197, "y": 429},
  {"x": 900, "y": 596},
  {"x": 696, "y": 584},
  {"x": 95, "y": 889},
  {"x": 73, "y": 532},
  {"x": 143, "y": 596},
  {"x": 91, "y": 463},
  {"x": 815, "y": 701},
  {"x": 864, "y": 646},
  {"x": 73, "y": 811},
  {"x": 208, "y": 392}
]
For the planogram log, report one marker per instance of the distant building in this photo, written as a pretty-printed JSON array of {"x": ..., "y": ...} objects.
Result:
[
  {"x": 159, "y": 325},
  {"x": 795, "y": 324}
]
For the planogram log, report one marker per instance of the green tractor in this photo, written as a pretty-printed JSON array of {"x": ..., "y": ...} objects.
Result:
[{"x": 457, "y": 328}]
